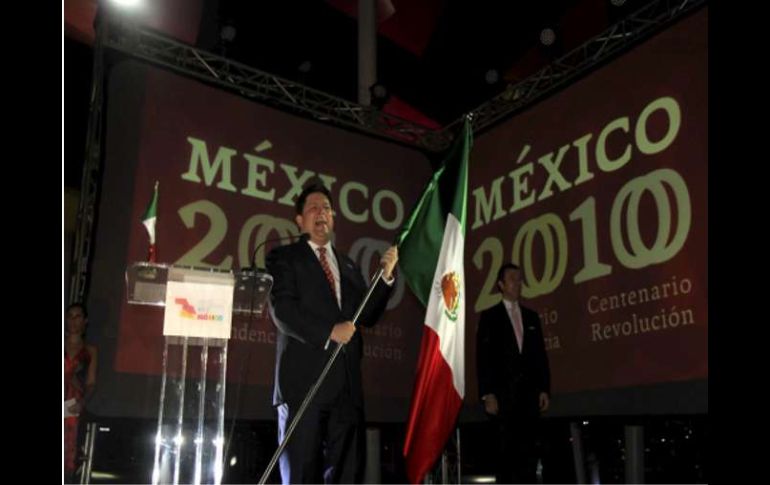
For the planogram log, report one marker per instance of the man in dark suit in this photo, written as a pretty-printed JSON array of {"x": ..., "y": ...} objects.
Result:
[
  {"x": 513, "y": 376},
  {"x": 316, "y": 292}
]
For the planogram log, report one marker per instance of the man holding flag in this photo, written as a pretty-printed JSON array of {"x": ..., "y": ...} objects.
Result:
[
  {"x": 316, "y": 291},
  {"x": 432, "y": 246}
]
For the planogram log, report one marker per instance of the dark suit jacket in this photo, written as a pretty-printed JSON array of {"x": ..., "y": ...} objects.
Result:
[
  {"x": 304, "y": 309},
  {"x": 515, "y": 378}
]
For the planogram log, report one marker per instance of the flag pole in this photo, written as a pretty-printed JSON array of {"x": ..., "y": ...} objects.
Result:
[{"x": 314, "y": 388}]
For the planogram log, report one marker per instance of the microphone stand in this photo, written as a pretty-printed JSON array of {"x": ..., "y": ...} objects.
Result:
[
  {"x": 301, "y": 237},
  {"x": 252, "y": 271},
  {"x": 314, "y": 388}
]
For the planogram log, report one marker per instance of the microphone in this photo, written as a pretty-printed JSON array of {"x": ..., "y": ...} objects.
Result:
[{"x": 302, "y": 237}]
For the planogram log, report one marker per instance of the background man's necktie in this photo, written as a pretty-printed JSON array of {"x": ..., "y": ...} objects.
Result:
[{"x": 518, "y": 329}]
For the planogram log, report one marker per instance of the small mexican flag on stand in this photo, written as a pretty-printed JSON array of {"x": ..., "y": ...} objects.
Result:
[{"x": 148, "y": 219}]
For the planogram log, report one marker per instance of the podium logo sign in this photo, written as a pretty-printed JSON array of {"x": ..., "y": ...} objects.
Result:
[
  {"x": 188, "y": 311},
  {"x": 198, "y": 310}
]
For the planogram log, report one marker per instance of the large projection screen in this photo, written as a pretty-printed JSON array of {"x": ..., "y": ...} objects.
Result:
[
  {"x": 599, "y": 193},
  {"x": 229, "y": 171}
]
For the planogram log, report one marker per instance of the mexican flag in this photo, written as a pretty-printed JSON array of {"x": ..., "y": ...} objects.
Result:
[
  {"x": 148, "y": 219},
  {"x": 431, "y": 259}
]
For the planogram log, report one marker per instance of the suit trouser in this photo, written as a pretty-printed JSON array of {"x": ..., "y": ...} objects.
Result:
[
  {"x": 327, "y": 446},
  {"x": 518, "y": 431}
]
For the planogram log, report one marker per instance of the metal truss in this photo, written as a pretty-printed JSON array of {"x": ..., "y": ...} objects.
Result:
[
  {"x": 619, "y": 37},
  {"x": 252, "y": 83},
  {"x": 269, "y": 89},
  {"x": 84, "y": 234}
]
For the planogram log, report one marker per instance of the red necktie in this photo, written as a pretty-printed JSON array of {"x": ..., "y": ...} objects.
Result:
[{"x": 327, "y": 269}]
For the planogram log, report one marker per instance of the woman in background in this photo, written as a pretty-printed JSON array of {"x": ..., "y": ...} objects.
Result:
[{"x": 79, "y": 381}]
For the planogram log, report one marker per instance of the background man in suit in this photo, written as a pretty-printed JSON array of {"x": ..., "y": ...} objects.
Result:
[
  {"x": 514, "y": 377},
  {"x": 316, "y": 292}
]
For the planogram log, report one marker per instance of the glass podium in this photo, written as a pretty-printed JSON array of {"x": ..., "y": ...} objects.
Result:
[{"x": 199, "y": 304}]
